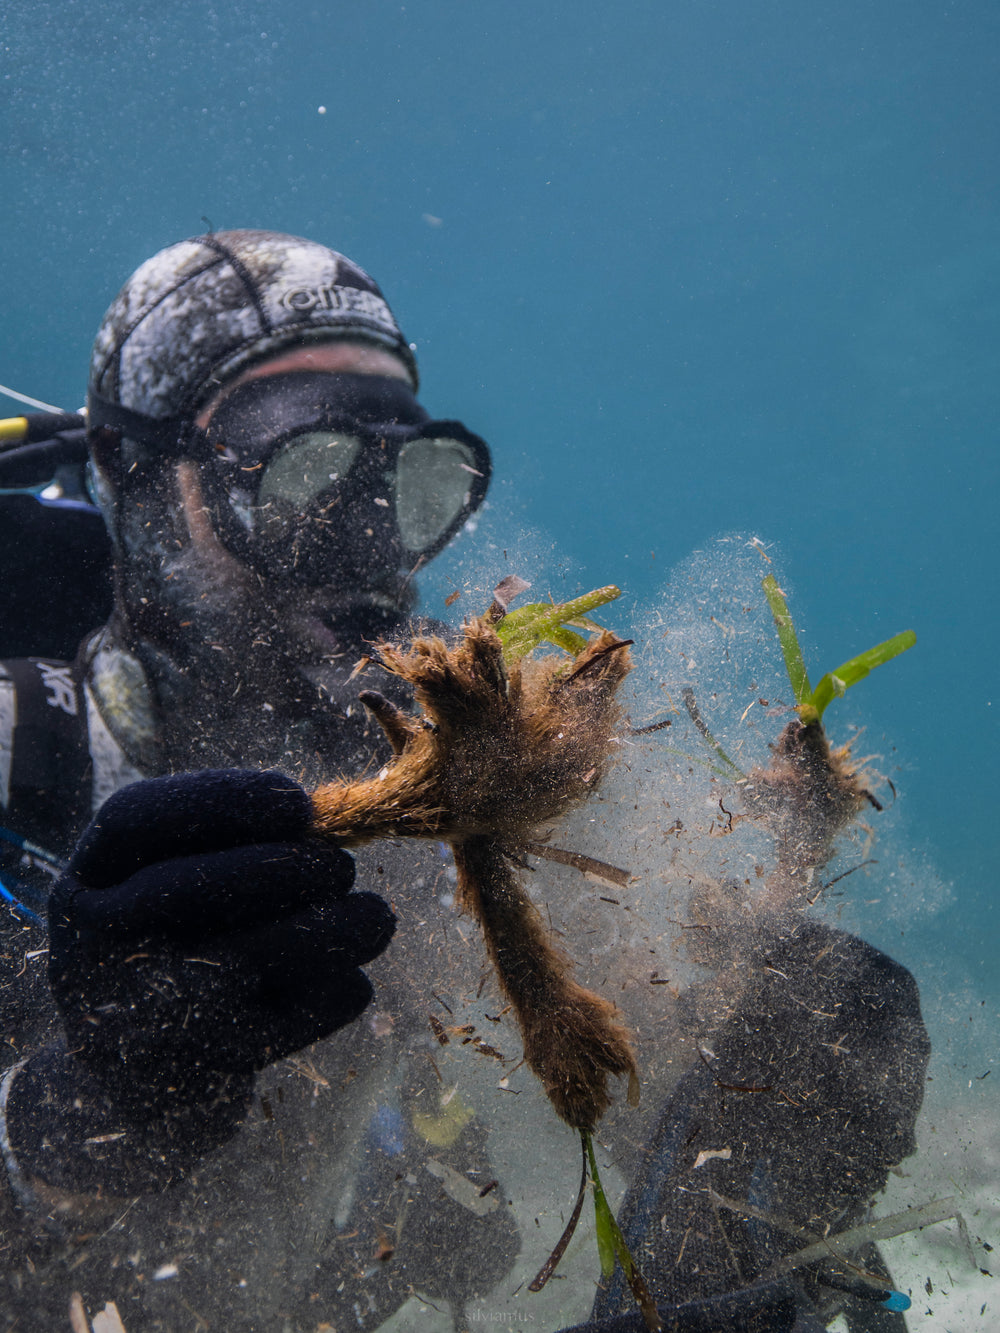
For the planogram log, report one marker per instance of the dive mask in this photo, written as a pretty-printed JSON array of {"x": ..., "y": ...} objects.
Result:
[{"x": 316, "y": 478}]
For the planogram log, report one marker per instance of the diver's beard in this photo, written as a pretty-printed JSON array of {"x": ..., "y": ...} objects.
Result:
[
  {"x": 323, "y": 623},
  {"x": 237, "y": 663},
  {"x": 223, "y": 617}
]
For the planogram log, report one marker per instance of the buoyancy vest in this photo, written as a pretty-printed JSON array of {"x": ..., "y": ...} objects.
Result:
[
  {"x": 58, "y": 764},
  {"x": 45, "y": 762}
]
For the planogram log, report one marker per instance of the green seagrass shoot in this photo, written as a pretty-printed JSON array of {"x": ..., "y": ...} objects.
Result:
[{"x": 811, "y": 703}]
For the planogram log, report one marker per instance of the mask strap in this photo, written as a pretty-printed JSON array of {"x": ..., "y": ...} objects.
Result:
[{"x": 168, "y": 436}]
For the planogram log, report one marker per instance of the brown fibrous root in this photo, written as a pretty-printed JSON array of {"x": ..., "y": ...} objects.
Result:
[{"x": 492, "y": 756}]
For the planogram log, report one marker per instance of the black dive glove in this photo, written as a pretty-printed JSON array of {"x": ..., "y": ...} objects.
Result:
[{"x": 199, "y": 933}]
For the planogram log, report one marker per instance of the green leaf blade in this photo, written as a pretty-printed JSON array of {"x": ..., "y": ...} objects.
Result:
[
  {"x": 789, "y": 641},
  {"x": 858, "y": 667},
  {"x": 836, "y": 683},
  {"x": 603, "y": 1216},
  {"x": 565, "y": 639},
  {"x": 521, "y": 631}
]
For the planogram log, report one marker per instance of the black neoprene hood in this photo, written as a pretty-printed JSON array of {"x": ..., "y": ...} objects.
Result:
[{"x": 201, "y": 311}]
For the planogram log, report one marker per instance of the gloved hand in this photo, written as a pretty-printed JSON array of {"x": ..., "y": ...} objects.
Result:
[{"x": 199, "y": 933}]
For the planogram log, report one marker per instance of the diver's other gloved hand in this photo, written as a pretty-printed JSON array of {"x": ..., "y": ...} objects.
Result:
[{"x": 200, "y": 932}]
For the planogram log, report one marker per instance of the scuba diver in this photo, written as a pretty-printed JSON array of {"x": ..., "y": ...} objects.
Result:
[
  {"x": 269, "y": 483},
  {"x": 209, "y": 1112}
]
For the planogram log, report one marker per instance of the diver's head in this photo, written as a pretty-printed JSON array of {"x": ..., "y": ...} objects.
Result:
[{"x": 252, "y": 413}]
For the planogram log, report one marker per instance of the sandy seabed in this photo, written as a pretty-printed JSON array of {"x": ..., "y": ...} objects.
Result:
[{"x": 958, "y": 1157}]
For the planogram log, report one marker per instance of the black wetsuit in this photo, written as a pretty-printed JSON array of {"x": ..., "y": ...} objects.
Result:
[{"x": 328, "y": 1203}]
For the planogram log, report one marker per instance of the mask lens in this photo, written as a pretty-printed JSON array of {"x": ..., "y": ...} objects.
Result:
[
  {"x": 306, "y": 466},
  {"x": 432, "y": 487}
]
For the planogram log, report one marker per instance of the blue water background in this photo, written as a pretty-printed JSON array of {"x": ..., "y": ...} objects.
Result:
[{"x": 691, "y": 267}]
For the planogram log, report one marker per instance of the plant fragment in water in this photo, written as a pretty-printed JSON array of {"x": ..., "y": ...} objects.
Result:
[
  {"x": 810, "y": 792},
  {"x": 502, "y": 746}
]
